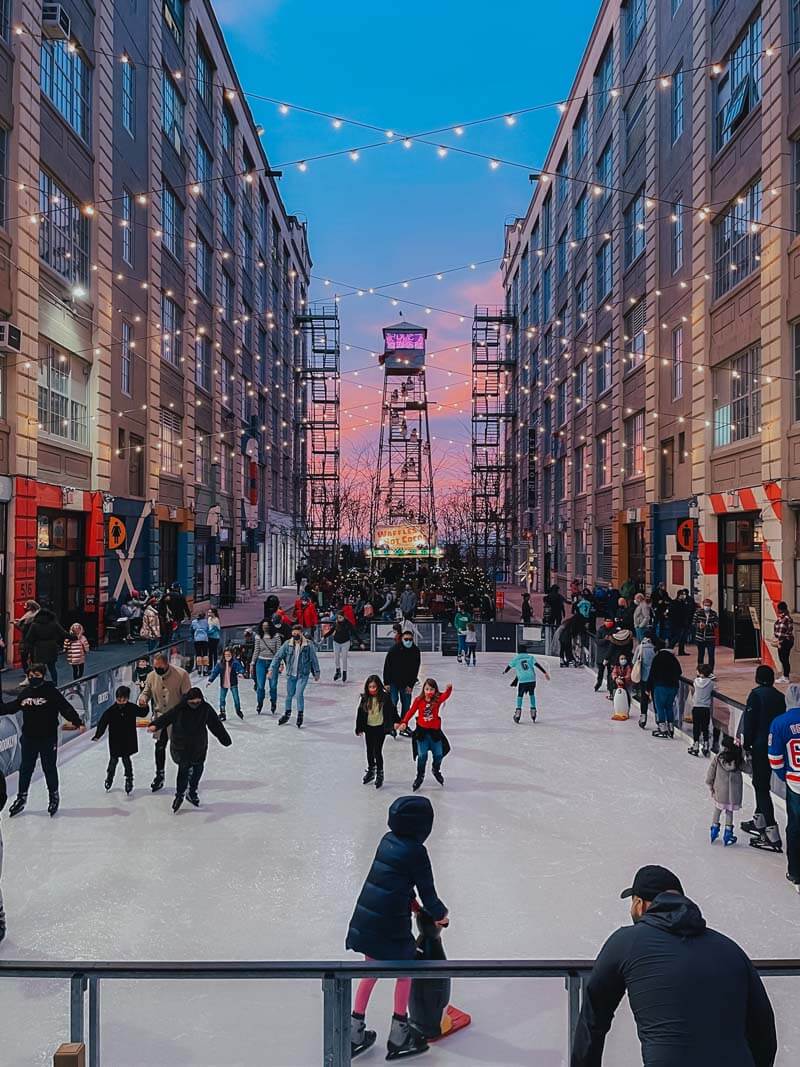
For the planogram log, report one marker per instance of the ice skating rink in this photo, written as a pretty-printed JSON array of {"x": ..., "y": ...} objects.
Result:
[{"x": 538, "y": 829}]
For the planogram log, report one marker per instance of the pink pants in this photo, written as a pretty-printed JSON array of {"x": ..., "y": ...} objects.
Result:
[{"x": 402, "y": 992}]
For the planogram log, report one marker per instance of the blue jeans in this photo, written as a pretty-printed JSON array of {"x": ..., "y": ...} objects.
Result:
[
  {"x": 261, "y": 668},
  {"x": 664, "y": 700},
  {"x": 425, "y": 745},
  {"x": 401, "y": 695},
  {"x": 295, "y": 687},
  {"x": 462, "y": 644},
  {"x": 153, "y": 643},
  {"x": 223, "y": 696}
]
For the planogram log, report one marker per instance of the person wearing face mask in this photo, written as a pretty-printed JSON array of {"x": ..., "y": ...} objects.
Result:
[
  {"x": 41, "y": 705},
  {"x": 165, "y": 686},
  {"x": 621, "y": 677},
  {"x": 401, "y": 669},
  {"x": 375, "y": 718},
  {"x": 343, "y": 632},
  {"x": 189, "y": 724},
  {"x": 706, "y": 624},
  {"x": 299, "y": 659},
  {"x": 228, "y": 669},
  {"x": 119, "y": 719},
  {"x": 681, "y": 615},
  {"x": 695, "y": 996}
]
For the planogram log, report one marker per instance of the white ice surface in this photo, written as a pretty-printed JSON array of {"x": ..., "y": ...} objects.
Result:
[{"x": 537, "y": 830}]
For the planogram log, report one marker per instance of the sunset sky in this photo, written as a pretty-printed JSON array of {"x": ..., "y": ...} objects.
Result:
[{"x": 396, "y": 213}]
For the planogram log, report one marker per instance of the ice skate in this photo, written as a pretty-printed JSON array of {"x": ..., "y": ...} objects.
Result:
[
  {"x": 337, "y": 675},
  {"x": 642, "y": 722},
  {"x": 176, "y": 803},
  {"x": 694, "y": 750},
  {"x": 344, "y": 676},
  {"x": 437, "y": 774},
  {"x": 792, "y": 882},
  {"x": 109, "y": 780},
  {"x": 222, "y": 716},
  {"x": 670, "y": 730},
  {"x": 379, "y": 779},
  {"x": 597, "y": 688},
  {"x": 18, "y": 806},
  {"x": 158, "y": 782},
  {"x": 193, "y": 799},
  {"x": 299, "y": 720},
  {"x": 369, "y": 776},
  {"x": 53, "y": 804},
  {"x": 729, "y": 837},
  {"x": 417, "y": 782},
  {"x": 660, "y": 732},
  {"x": 360, "y": 1037},
  {"x": 768, "y": 839},
  {"x": 714, "y": 832},
  {"x": 533, "y": 714},
  {"x": 259, "y": 706},
  {"x": 404, "y": 1041},
  {"x": 129, "y": 786},
  {"x": 240, "y": 713},
  {"x": 517, "y": 715},
  {"x": 284, "y": 719},
  {"x": 755, "y": 825},
  {"x": 273, "y": 707},
  {"x": 706, "y": 749}
]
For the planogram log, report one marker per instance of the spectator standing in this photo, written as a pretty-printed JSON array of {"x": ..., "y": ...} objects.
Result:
[
  {"x": 200, "y": 638},
  {"x": 665, "y": 676},
  {"x": 526, "y": 610},
  {"x": 783, "y": 634},
  {"x": 45, "y": 638},
  {"x": 151, "y": 625},
  {"x": 764, "y": 704},
  {"x": 706, "y": 624},
  {"x": 660, "y": 602},
  {"x": 681, "y": 615},
  {"x": 642, "y": 616},
  {"x": 603, "y": 652},
  {"x": 408, "y": 603},
  {"x": 76, "y": 647}
]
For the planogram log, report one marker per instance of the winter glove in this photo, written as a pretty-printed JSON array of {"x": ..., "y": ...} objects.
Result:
[{"x": 515, "y": 682}]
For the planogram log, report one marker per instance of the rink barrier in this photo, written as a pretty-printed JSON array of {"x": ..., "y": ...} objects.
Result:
[{"x": 336, "y": 979}]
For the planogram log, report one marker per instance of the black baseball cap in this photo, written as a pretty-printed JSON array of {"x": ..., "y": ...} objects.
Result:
[{"x": 651, "y": 880}]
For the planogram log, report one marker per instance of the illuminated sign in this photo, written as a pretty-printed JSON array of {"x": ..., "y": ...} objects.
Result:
[
  {"x": 406, "y": 540},
  {"x": 405, "y": 341}
]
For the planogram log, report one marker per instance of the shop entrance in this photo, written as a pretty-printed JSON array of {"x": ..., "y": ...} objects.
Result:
[
  {"x": 637, "y": 555},
  {"x": 227, "y": 577},
  {"x": 739, "y": 584},
  {"x": 66, "y": 581},
  {"x": 167, "y": 553}
]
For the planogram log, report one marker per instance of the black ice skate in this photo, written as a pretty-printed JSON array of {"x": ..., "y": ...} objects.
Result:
[
  {"x": 283, "y": 719},
  {"x": 533, "y": 714},
  {"x": 404, "y": 1041},
  {"x": 222, "y": 716},
  {"x": 768, "y": 839},
  {"x": 662, "y": 734},
  {"x": 193, "y": 799},
  {"x": 273, "y": 707},
  {"x": 437, "y": 774},
  {"x": 18, "y": 806},
  {"x": 299, "y": 720},
  {"x": 259, "y": 706},
  {"x": 176, "y": 803},
  {"x": 109, "y": 780},
  {"x": 369, "y": 776},
  {"x": 158, "y": 782},
  {"x": 379, "y": 779},
  {"x": 337, "y": 675},
  {"x": 643, "y": 722},
  {"x": 517, "y": 715},
  {"x": 53, "y": 804},
  {"x": 417, "y": 782},
  {"x": 706, "y": 749},
  {"x": 240, "y": 713},
  {"x": 754, "y": 825},
  {"x": 360, "y": 1037},
  {"x": 344, "y": 676},
  {"x": 129, "y": 785},
  {"x": 694, "y": 749},
  {"x": 792, "y": 882}
]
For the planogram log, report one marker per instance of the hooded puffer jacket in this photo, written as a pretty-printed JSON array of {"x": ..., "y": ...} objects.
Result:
[
  {"x": 381, "y": 923},
  {"x": 696, "y": 997}
]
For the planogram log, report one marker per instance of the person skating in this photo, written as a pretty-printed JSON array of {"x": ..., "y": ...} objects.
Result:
[
  {"x": 525, "y": 666},
  {"x": 375, "y": 718},
  {"x": 783, "y": 635},
  {"x": 703, "y": 690},
  {"x": 380, "y": 928},
  {"x": 784, "y": 759},
  {"x": 189, "y": 724},
  {"x": 428, "y": 736},
  {"x": 248, "y": 651},
  {"x": 164, "y": 687},
  {"x": 41, "y": 705},
  {"x": 408, "y": 603},
  {"x": 299, "y": 659},
  {"x": 401, "y": 669},
  {"x": 306, "y": 615},
  {"x": 267, "y": 642},
  {"x": 724, "y": 780},
  {"x": 471, "y": 645},
  {"x": 764, "y": 704},
  {"x": 642, "y": 662},
  {"x": 664, "y": 680},
  {"x": 200, "y": 638},
  {"x": 228, "y": 670},
  {"x": 343, "y": 633},
  {"x": 76, "y": 647},
  {"x": 460, "y": 621},
  {"x": 119, "y": 719}
]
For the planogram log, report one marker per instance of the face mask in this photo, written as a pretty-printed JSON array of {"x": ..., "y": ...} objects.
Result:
[
  {"x": 194, "y": 703},
  {"x": 35, "y": 680},
  {"x": 623, "y": 663},
  {"x": 160, "y": 670},
  {"x": 706, "y": 607},
  {"x": 297, "y": 638},
  {"x": 407, "y": 644}
]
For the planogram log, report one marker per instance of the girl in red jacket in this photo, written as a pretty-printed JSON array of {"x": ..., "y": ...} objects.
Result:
[{"x": 428, "y": 736}]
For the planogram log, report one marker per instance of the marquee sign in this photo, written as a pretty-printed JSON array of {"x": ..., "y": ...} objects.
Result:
[{"x": 406, "y": 540}]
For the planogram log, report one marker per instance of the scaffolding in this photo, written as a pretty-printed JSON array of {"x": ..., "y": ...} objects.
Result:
[
  {"x": 492, "y": 418},
  {"x": 403, "y": 514},
  {"x": 321, "y": 421}
]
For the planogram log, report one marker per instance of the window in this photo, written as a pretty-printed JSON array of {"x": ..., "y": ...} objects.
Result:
[
  {"x": 247, "y": 264},
  {"x": 173, "y": 19},
  {"x": 580, "y": 552},
  {"x": 547, "y": 222},
  {"x": 633, "y": 445},
  {"x": 562, "y": 181},
  {"x": 547, "y": 293},
  {"x": 125, "y": 357},
  {"x": 738, "y": 89},
  {"x": 5, "y": 18},
  {"x": 676, "y": 237},
  {"x": 561, "y": 256},
  {"x": 668, "y": 468},
  {"x": 171, "y": 329},
  {"x": 228, "y": 130},
  {"x": 677, "y": 363},
  {"x": 228, "y": 295},
  {"x": 536, "y": 306},
  {"x": 561, "y": 403},
  {"x": 204, "y": 167},
  {"x": 172, "y": 111},
  {"x": 127, "y": 78},
  {"x": 635, "y": 333},
  {"x": 204, "y": 77},
  {"x": 604, "y": 171},
  {"x": 581, "y": 384},
  {"x": 202, "y": 362},
  {"x": 737, "y": 243},
  {"x": 172, "y": 221},
  {"x": 603, "y": 549},
  {"x": 795, "y": 25},
  {"x": 633, "y": 18},
  {"x": 634, "y": 119},
  {"x": 548, "y": 493},
  {"x": 796, "y": 333},
  {"x": 582, "y": 300},
  {"x": 3, "y": 174},
  {"x": 170, "y": 443},
  {"x": 737, "y": 398},
  {"x": 135, "y": 465},
  {"x": 580, "y": 137},
  {"x": 63, "y": 395},
  {"x": 581, "y": 217},
  {"x": 676, "y": 103},
  {"x": 579, "y": 470},
  {"x": 227, "y": 382},
  {"x": 63, "y": 232},
  {"x": 202, "y": 459},
  {"x": 126, "y": 222},
  {"x": 547, "y": 425},
  {"x": 603, "y": 81},
  {"x": 204, "y": 264},
  {"x": 247, "y": 328},
  {"x": 682, "y": 453},
  {"x": 635, "y": 232},
  {"x": 228, "y": 215},
  {"x": 603, "y": 366},
  {"x": 602, "y": 460},
  {"x": 66, "y": 79},
  {"x": 603, "y": 271},
  {"x": 560, "y": 486}
]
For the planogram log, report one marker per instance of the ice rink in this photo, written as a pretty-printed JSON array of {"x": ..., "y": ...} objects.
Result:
[{"x": 538, "y": 829}]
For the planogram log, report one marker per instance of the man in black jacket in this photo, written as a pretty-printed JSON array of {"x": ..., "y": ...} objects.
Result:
[
  {"x": 45, "y": 637},
  {"x": 401, "y": 669},
  {"x": 764, "y": 704},
  {"x": 41, "y": 704},
  {"x": 191, "y": 720},
  {"x": 695, "y": 996}
]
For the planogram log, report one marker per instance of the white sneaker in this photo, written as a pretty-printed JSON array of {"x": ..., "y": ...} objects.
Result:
[{"x": 783, "y": 680}]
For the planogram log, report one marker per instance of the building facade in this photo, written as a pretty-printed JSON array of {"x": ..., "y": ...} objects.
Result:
[
  {"x": 150, "y": 417},
  {"x": 655, "y": 283}
]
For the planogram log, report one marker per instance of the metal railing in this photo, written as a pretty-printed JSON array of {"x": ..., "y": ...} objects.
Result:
[{"x": 336, "y": 978}]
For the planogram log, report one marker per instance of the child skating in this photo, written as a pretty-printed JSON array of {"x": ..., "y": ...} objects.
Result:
[
  {"x": 525, "y": 666},
  {"x": 375, "y": 718},
  {"x": 119, "y": 719},
  {"x": 724, "y": 779},
  {"x": 701, "y": 709},
  {"x": 428, "y": 736},
  {"x": 470, "y": 644},
  {"x": 228, "y": 670}
]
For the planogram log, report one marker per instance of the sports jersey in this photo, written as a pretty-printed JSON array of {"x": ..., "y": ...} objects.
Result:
[
  {"x": 525, "y": 666},
  {"x": 784, "y": 748}
]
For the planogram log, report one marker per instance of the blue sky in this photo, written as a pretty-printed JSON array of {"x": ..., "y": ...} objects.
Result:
[{"x": 395, "y": 213}]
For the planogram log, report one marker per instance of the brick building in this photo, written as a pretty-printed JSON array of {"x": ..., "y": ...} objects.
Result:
[{"x": 149, "y": 429}]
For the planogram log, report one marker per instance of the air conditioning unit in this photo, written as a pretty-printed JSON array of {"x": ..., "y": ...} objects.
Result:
[
  {"x": 55, "y": 22},
  {"x": 10, "y": 337}
]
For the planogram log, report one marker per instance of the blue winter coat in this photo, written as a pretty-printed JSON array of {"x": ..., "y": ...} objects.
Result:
[
  {"x": 381, "y": 923},
  {"x": 307, "y": 664}
]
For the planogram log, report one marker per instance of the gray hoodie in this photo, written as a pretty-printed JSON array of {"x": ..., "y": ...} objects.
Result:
[{"x": 703, "y": 688}]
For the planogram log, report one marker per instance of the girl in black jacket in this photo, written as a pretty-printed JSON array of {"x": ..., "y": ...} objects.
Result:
[
  {"x": 191, "y": 721},
  {"x": 119, "y": 719},
  {"x": 375, "y": 718}
]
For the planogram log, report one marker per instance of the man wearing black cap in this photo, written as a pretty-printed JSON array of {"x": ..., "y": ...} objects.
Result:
[{"x": 696, "y": 997}]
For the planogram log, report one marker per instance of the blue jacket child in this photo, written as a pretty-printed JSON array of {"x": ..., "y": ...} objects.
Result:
[{"x": 228, "y": 670}]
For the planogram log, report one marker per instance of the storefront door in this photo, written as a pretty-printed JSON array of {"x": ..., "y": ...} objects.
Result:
[
  {"x": 168, "y": 553},
  {"x": 227, "y": 577},
  {"x": 739, "y": 584},
  {"x": 637, "y": 559}
]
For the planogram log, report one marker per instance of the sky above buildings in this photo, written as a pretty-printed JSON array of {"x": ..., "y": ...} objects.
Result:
[{"x": 396, "y": 213}]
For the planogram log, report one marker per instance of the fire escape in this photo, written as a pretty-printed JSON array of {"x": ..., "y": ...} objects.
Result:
[{"x": 492, "y": 454}]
